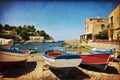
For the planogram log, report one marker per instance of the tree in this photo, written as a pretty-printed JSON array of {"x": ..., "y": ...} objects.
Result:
[
  {"x": 24, "y": 34},
  {"x": 24, "y": 27},
  {"x": 42, "y": 33},
  {"x": 19, "y": 29},
  {"x": 32, "y": 28},
  {"x": 1, "y": 27},
  {"x": 102, "y": 35},
  {"x": 13, "y": 27},
  {"x": 6, "y": 27},
  {"x": 24, "y": 31}
]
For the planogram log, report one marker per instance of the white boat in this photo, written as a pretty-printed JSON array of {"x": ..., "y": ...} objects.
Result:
[
  {"x": 61, "y": 60},
  {"x": 6, "y": 43},
  {"x": 10, "y": 58}
]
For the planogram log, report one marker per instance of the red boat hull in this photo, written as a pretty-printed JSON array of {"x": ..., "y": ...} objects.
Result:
[{"x": 99, "y": 61}]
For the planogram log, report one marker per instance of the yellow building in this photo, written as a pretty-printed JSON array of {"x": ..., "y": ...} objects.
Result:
[
  {"x": 93, "y": 26},
  {"x": 114, "y": 24}
]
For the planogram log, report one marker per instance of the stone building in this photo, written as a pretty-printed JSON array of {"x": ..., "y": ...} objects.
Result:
[
  {"x": 114, "y": 24},
  {"x": 93, "y": 26}
]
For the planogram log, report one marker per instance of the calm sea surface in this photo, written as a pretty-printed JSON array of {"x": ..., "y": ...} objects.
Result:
[{"x": 42, "y": 47}]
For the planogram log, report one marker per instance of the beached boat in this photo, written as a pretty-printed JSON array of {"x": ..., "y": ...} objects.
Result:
[
  {"x": 61, "y": 60},
  {"x": 6, "y": 43},
  {"x": 31, "y": 51},
  {"x": 110, "y": 51},
  {"x": 25, "y": 51},
  {"x": 102, "y": 51},
  {"x": 98, "y": 61},
  {"x": 17, "y": 49},
  {"x": 10, "y": 58}
]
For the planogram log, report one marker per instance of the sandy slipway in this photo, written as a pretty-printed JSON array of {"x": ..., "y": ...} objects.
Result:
[{"x": 35, "y": 69}]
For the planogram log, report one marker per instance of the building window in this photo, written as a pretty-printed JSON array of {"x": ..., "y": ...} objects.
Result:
[
  {"x": 102, "y": 26},
  {"x": 118, "y": 20},
  {"x": 111, "y": 18}
]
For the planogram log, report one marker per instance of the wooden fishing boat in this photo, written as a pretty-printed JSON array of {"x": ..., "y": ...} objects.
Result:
[
  {"x": 98, "y": 61},
  {"x": 61, "y": 60},
  {"x": 10, "y": 58},
  {"x": 31, "y": 51},
  {"x": 23, "y": 50},
  {"x": 102, "y": 51},
  {"x": 6, "y": 43}
]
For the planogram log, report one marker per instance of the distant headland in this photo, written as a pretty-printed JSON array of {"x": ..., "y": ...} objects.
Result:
[{"x": 23, "y": 33}]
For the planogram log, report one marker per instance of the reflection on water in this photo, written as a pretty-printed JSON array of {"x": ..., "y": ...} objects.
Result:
[{"x": 42, "y": 47}]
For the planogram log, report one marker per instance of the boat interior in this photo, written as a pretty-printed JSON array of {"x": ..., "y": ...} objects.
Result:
[{"x": 54, "y": 53}]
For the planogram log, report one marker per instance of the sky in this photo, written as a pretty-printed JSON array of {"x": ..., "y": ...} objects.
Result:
[{"x": 63, "y": 20}]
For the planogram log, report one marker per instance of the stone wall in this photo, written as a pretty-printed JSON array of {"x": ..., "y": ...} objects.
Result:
[
  {"x": 104, "y": 45},
  {"x": 73, "y": 42}
]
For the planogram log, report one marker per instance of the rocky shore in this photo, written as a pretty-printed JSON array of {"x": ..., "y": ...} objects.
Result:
[{"x": 35, "y": 69}]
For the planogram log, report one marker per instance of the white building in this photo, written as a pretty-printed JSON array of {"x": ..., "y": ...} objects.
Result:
[{"x": 37, "y": 38}]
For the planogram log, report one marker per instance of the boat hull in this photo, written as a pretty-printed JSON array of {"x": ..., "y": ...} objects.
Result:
[
  {"x": 96, "y": 66},
  {"x": 59, "y": 63},
  {"x": 98, "y": 61},
  {"x": 10, "y": 59},
  {"x": 61, "y": 60},
  {"x": 32, "y": 51}
]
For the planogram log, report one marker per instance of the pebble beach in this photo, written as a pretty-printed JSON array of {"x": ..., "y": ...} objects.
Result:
[{"x": 35, "y": 69}]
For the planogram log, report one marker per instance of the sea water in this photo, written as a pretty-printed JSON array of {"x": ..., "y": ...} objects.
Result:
[{"x": 40, "y": 47}]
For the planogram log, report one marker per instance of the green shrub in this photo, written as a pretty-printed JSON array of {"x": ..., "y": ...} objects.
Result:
[{"x": 102, "y": 35}]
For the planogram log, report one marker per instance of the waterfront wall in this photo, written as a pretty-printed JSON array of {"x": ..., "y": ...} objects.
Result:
[
  {"x": 101, "y": 45},
  {"x": 73, "y": 42},
  {"x": 104, "y": 45}
]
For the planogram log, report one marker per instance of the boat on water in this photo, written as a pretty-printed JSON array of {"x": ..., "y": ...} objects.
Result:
[
  {"x": 10, "y": 58},
  {"x": 98, "y": 61},
  {"x": 58, "y": 59}
]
